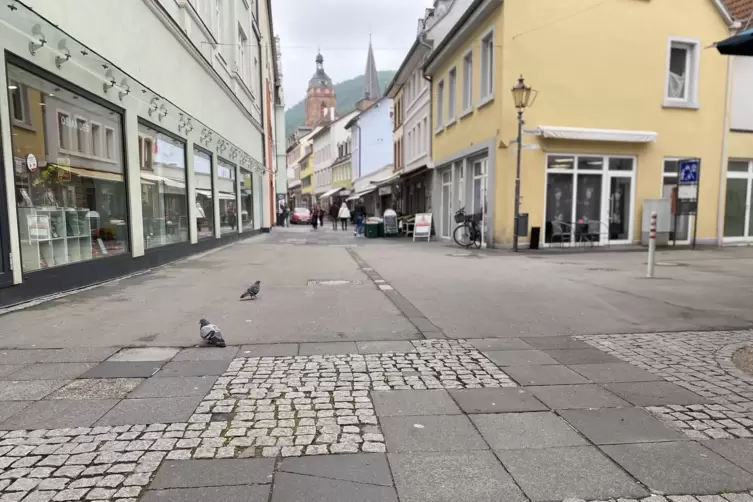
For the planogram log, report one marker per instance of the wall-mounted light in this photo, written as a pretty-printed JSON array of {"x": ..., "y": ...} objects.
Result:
[
  {"x": 62, "y": 47},
  {"x": 126, "y": 89},
  {"x": 110, "y": 81},
  {"x": 36, "y": 31}
]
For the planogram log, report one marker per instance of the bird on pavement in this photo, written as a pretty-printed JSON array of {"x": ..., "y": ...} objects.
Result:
[
  {"x": 252, "y": 291},
  {"x": 210, "y": 333}
]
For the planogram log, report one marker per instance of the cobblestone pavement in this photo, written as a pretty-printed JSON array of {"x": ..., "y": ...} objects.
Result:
[
  {"x": 727, "y": 497},
  {"x": 703, "y": 421}
]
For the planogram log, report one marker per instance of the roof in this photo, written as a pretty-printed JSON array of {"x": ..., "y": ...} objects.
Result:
[
  {"x": 739, "y": 9},
  {"x": 400, "y": 70},
  {"x": 320, "y": 78},
  {"x": 371, "y": 77},
  {"x": 453, "y": 31}
]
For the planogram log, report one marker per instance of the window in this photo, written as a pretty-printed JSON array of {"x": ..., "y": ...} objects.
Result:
[
  {"x": 227, "y": 190},
  {"x": 96, "y": 139},
  {"x": 451, "y": 95},
  {"x": 247, "y": 200},
  {"x": 410, "y": 145},
  {"x": 440, "y": 104},
  {"x": 682, "y": 73},
  {"x": 487, "y": 66},
  {"x": 164, "y": 196},
  {"x": 202, "y": 168},
  {"x": 82, "y": 130},
  {"x": 73, "y": 208},
  {"x": 242, "y": 56},
  {"x": 468, "y": 82},
  {"x": 420, "y": 140},
  {"x": 109, "y": 143},
  {"x": 19, "y": 102}
]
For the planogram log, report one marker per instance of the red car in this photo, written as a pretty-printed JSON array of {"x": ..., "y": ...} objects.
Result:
[{"x": 300, "y": 215}]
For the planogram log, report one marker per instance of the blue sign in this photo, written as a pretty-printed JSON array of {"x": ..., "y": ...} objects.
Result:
[{"x": 689, "y": 171}]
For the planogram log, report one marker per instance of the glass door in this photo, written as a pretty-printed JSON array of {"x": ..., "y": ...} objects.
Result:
[
  {"x": 618, "y": 221},
  {"x": 738, "y": 224},
  {"x": 446, "y": 203}
]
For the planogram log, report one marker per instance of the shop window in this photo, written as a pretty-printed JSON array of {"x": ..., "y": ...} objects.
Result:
[
  {"x": 71, "y": 206},
  {"x": 202, "y": 168},
  {"x": 227, "y": 190},
  {"x": 247, "y": 200},
  {"x": 164, "y": 197}
]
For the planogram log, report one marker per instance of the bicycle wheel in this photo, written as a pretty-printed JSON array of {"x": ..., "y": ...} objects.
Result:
[
  {"x": 477, "y": 239},
  {"x": 462, "y": 235}
]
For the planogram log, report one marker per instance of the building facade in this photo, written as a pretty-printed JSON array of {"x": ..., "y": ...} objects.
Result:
[
  {"x": 105, "y": 174},
  {"x": 594, "y": 151},
  {"x": 321, "y": 101},
  {"x": 371, "y": 133}
]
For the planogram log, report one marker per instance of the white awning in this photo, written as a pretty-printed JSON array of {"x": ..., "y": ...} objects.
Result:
[
  {"x": 202, "y": 191},
  {"x": 225, "y": 195},
  {"x": 166, "y": 181},
  {"x": 329, "y": 193},
  {"x": 586, "y": 134},
  {"x": 358, "y": 195},
  {"x": 386, "y": 181}
]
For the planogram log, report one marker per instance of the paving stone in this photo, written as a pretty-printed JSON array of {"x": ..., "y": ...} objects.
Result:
[
  {"x": 150, "y": 410},
  {"x": 614, "y": 372},
  {"x": 240, "y": 493},
  {"x": 519, "y": 357},
  {"x": 52, "y": 371},
  {"x": 414, "y": 402},
  {"x": 32, "y": 390},
  {"x": 174, "y": 387},
  {"x": 207, "y": 354},
  {"x": 123, "y": 369},
  {"x": 582, "y": 356},
  {"x": 77, "y": 355},
  {"x": 620, "y": 425},
  {"x": 196, "y": 473},
  {"x": 495, "y": 344},
  {"x": 526, "y": 430},
  {"x": 297, "y": 488},
  {"x": 267, "y": 350},
  {"x": 737, "y": 451},
  {"x": 680, "y": 467},
  {"x": 380, "y": 347},
  {"x": 560, "y": 473},
  {"x": 142, "y": 354},
  {"x": 70, "y": 494},
  {"x": 431, "y": 433},
  {"x": 562, "y": 397},
  {"x": 59, "y": 413},
  {"x": 496, "y": 400},
  {"x": 654, "y": 393},
  {"x": 452, "y": 476},
  {"x": 555, "y": 342},
  {"x": 328, "y": 348},
  {"x": 193, "y": 368}
]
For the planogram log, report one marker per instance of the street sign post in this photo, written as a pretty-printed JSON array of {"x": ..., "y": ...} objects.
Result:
[{"x": 686, "y": 194}]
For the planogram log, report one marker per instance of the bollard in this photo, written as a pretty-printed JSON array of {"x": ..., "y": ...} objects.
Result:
[{"x": 652, "y": 246}]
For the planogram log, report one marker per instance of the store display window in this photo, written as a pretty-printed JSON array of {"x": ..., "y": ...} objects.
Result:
[
  {"x": 247, "y": 200},
  {"x": 164, "y": 196},
  {"x": 69, "y": 175},
  {"x": 202, "y": 168},
  {"x": 227, "y": 190}
]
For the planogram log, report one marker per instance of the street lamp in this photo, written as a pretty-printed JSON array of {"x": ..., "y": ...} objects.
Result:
[{"x": 521, "y": 94}]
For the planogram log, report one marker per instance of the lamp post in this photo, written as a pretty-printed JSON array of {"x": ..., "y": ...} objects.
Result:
[{"x": 521, "y": 94}]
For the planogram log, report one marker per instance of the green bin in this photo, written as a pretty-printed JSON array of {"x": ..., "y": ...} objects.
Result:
[{"x": 371, "y": 231}]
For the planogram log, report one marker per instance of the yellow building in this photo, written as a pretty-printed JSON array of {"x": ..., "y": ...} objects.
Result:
[
  {"x": 307, "y": 176},
  {"x": 625, "y": 90}
]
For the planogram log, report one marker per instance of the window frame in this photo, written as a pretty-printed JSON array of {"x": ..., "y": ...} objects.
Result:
[
  {"x": 487, "y": 54},
  {"x": 242, "y": 65},
  {"x": 96, "y": 146},
  {"x": 452, "y": 95},
  {"x": 467, "y": 97},
  {"x": 23, "y": 93},
  {"x": 693, "y": 59},
  {"x": 80, "y": 134},
  {"x": 440, "y": 106}
]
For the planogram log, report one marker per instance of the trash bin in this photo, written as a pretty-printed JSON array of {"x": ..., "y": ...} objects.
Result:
[
  {"x": 535, "y": 237},
  {"x": 372, "y": 230}
]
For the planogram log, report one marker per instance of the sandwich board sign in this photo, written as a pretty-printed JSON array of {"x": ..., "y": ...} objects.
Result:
[{"x": 422, "y": 227}]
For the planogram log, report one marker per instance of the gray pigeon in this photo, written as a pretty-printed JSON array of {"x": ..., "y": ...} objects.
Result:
[
  {"x": 210, "y": 333},
  {"x": 252, "y": 291}
]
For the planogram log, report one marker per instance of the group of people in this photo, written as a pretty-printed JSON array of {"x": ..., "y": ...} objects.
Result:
[{"x": 342, "y": 214}]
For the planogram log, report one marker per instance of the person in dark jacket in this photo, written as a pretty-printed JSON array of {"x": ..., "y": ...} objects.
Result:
[
  {"x": 360, "y": 213},
  {"x": 315, "y": 216},
  {"x": 333, "y": 210},
  {"x": 320, "y": 214}
]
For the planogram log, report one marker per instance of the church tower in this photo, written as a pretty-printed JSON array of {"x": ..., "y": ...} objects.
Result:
[
  {"x": 371, "y": 92},
  {"x": 320, "y": 96}
]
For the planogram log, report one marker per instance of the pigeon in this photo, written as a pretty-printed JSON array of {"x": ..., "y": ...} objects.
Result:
[
  {"x": 210, "y": 333},
  {"x": 252, "y": 291}
]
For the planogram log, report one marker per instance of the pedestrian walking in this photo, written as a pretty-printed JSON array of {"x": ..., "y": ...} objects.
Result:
[
  {"x": 334, "y": 210},
  {"x": 286, "y": 215},
  {"x": 344, "y": 215},
  {"x": 315, "y": 216},
  {"x": 280, "y": 213},
  {"x": 360, "y": 212}
]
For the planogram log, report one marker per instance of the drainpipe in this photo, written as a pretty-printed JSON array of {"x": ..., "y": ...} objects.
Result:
[
  {"x": 725, "y": 137},
  {"x": 421, "y": 40}
]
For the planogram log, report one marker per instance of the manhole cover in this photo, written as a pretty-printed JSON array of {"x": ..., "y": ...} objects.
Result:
[
  {"x": 601, "y": 269},
  {"x": 333, "y": 282}
]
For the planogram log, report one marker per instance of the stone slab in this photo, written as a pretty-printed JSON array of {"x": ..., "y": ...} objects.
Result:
[
  {"x": 620, "y": 425},
  {"x": 298, "y": 488},
  {"x": 413, "y": 402},
  {"x": 737, "y": 451},
  {"x": 655, "y": 393},
  {"x": 269, "y": 350},
  {"x": 10, "y": 408},
  {"x": 544, "y": 375},
  {"x": 249, "y": 493},
  {"x": 397, "y": 346},
  {"x": 368, "y": 468},
  {"x": 52, "y": 371},
  {"x": 7, "y": 370},
  {"x": 614, "y": 372},
  {"x": 496, "y": 400},
  {"x": 431, "y": 433},
  {"x": 215, "y": 472},
  {"x": 97, "y": 388},
  {"x": 57, "y": 414},
  {"x": 25, "y": 356},
  {"x": 207, "y": 353},
  {"x": 680, "y": 467},
  {"x": 193, "y": 368},
  {"x": 77, "y": 355},
  {"x": 495, "y": 344},
  {"x": 174, "y": 387},
  {"x": 510, "y": 431},
  {"x": 555, "y": 342},
  {"x": 580, "y": 472},
  {"x": 151, "y": 411},
  {"x": 452, "y": 477},
  {"x": 310, "y": 349},
  {"x": 123, "y": 369},
  {"x": 563, "y": 397},
  {"x": 519, "y": 357},
  {"x": 582, "y": 356},
  {"x": 28, "y": 390},
  {"x": 142, "y": 354}
]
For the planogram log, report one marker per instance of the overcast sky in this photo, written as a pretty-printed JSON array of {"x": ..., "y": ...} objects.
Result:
[{"x": 341, "y": 28}]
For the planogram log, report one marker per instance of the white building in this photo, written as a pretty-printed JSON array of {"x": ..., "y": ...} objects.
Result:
[{"x": 140, "y": 132}]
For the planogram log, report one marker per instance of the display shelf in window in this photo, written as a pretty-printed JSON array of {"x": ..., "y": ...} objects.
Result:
[{"x": 52, "y": 236}]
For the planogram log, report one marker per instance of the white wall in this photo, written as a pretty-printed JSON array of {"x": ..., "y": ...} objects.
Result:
[
  {"x": 417, "y": 122},
  {"x": 742, "y": 94}
]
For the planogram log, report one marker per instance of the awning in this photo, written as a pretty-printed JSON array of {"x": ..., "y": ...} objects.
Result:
[
  {"x": 360, "y": 194},
  {"x": 202, "y": 191},
  {"x": 739, "y": 45},
  {"x": 225, "y": 196},
  {"x": 166, "y": 181},
  {"x": 585, "y": 134},
  {"x": 386, "y": 181},
  {"x": 413, "y": 173},
  {"x": 329, "y": 193},
  {"x": 89, "y": 173}
]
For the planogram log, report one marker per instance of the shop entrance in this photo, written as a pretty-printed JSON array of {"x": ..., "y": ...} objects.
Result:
[{"x": 6, "y": 277}]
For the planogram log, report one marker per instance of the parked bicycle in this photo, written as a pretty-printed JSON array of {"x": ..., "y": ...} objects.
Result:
[{"x": 468, "y": 232}]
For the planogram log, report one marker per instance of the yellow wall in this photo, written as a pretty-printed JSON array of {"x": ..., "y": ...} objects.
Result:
[
  {"x": 308, "y": 171},
  {"x": 601, "y": 68}
]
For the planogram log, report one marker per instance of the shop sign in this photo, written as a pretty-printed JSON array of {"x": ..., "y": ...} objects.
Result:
[
  {"x": 422, "y": 226},
  {"x": 386, "y": 190},
  {"x": 31, "y": 162}
]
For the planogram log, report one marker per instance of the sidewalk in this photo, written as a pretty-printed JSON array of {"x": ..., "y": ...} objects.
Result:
[{"x": 386, "y": 403}]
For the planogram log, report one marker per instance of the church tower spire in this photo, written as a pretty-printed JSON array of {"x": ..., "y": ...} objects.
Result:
[{"x": 371, "y": 92}]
